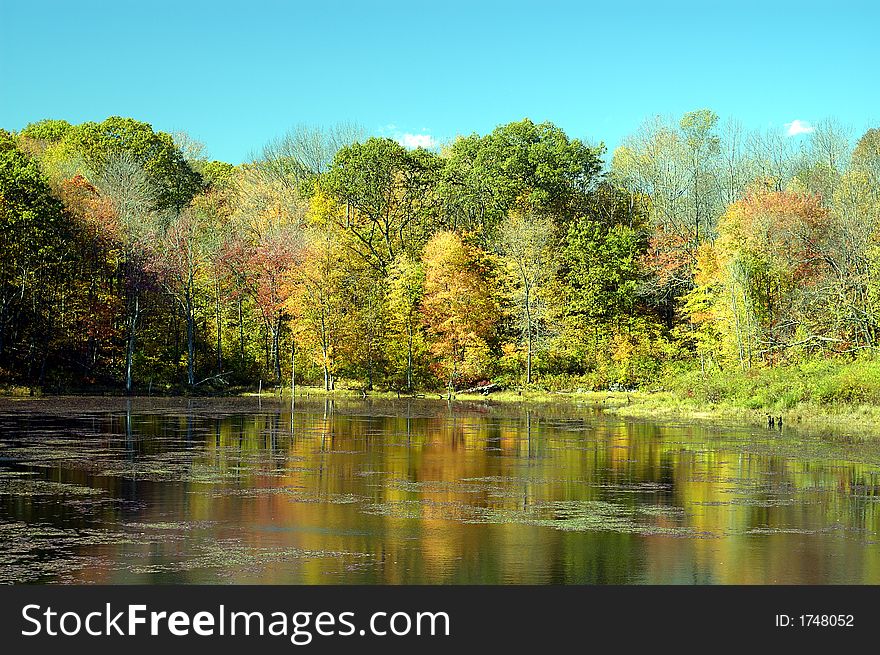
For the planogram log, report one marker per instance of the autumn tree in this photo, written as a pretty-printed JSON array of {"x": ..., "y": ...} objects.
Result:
[
  {"x": 866, "y": 159},
  {"x": 128, "y": 256},
  {"x": 271, "y": 262},
  {"x": 216, "y": 205},
  {"x": 317, "y": 300},
  {"x": 676, "y": 165},
  {"x": 526, "y": 241},
  {"x": 94, "y": 295},
  {"x": 461, "y": 308},
  {"x": 364, "y": 347},
  {"x": 133, "y": 196},
  {"x": 406, "y": 286},
  {"x": 850, "y": 252},
  {"x": 177, "y": 258},
  {"x": 757, "y": 279}
]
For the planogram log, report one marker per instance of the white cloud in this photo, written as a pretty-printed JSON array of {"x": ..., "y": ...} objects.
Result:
[
  {"x": 798, "y": 126},
  {"x": 417, "y": 141}
]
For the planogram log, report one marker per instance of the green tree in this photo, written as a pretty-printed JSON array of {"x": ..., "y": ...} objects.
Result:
[
  {"x": 866, "y": 158},
  {"x": 484, "y": 177},
  {"x": 388, "y": 198},
  {"x": 602, "y": 272},
  {"x": 34, "y": 243},
  {"x": 219, "y": 175},
  {"x": 46, "y": 131}
]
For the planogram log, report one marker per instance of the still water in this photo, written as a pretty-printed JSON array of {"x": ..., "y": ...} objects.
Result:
[{"x": 416, "y": 491}]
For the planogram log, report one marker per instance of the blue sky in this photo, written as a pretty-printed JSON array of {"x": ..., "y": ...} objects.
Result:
[{"x": 236, "y": 74}]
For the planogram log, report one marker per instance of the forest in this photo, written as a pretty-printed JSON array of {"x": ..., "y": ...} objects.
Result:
[{"x": 131, "y": 262}]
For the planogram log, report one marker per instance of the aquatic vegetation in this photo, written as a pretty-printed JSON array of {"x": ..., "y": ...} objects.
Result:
[
  {"x": 30, "y": 487},
  {"x": 205, "y": 491}
]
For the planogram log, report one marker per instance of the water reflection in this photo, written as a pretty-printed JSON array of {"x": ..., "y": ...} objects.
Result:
[{"x": 141, "y": 491}]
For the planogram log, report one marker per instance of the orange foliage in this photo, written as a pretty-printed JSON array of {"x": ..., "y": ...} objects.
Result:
[{"x": 783, "y": 227}]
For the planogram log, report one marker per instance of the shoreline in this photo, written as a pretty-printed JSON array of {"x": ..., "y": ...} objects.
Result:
[{"x": 841, "y": 423}]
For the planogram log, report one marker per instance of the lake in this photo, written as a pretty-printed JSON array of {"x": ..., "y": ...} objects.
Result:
[{"x": 146, "y": 490}]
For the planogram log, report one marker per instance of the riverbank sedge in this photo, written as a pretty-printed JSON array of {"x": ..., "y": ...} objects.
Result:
[{"x": 841, "y": 422}]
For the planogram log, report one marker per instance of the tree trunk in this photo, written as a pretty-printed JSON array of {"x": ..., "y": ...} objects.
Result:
[
  {"x": 276, "y": 346},
  {"x": 292, "y": 367},
  {"x": 219, "y": 329},
  {"x": 190, "y": 348},
  {"x": 451, "y": 387},
  {"x": 266, "y": 334},
  {"x": 409, "y": 358},
  {"x": 2, "y": 325},
  {"x": 529, "y": 359},
  {"x": 529, "y": 336},
  {"x": 240, "y": 333},
  {"x": 190, "y": 337},
  {"x": 325, "y": 354},
  {"x": 129, "y": 351},
  {"x": 739, "y": 340}
]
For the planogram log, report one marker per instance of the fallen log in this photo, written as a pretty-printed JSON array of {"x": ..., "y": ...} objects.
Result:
[
  {"x": 485, "y": 389},
  {"x": 219, "y": 376}
]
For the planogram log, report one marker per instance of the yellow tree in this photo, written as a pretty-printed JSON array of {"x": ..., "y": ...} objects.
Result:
[
  {"x": 406, "y": 287},
  {"x": 526, "y": 240},
  {"x": 317, "y": 282},
  {"x": 460, "y": 306}
]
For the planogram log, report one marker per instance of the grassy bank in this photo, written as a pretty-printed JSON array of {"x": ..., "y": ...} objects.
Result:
[{"x": 840, "y": 400}]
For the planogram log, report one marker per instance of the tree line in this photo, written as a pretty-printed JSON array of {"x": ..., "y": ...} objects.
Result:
[{"x": 522, "y": 257}]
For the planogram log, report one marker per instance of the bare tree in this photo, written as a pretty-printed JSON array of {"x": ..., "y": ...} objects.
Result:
[
  {"x": 828, "y": 157},
  {"x": 306, "y": 151},
  {"x": 134, "y": 196},
  {"x": 773, "y": 158},
  {"x": 193, "y": 150},
  {"x": 178, "y": 259},
  {"x": 124, "y": 181},
  {"x": 676, "y": 165},
  {"x": 734, "y": 165}
]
